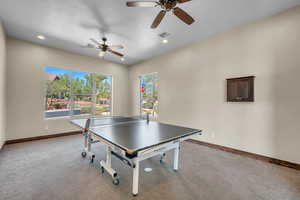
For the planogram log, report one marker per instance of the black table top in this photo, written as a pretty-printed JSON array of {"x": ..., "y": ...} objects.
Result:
[
  {"x": 105, "y": 121},
  {"x": 131, "y": 134}
]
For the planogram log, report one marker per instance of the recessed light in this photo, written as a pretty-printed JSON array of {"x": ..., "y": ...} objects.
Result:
[
  {"x": 165, "y": 41},
  {"x": 41, "y": 37},
  {"x": 148, "y": 169}
]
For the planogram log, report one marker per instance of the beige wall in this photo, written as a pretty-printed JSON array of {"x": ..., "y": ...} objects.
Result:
[
  {"x": 25, "y": 87},
  {"x": 2, "y": 84},
  {"x": 192, "y": 87}
]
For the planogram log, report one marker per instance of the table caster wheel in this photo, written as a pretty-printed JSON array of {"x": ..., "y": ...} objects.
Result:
[
  {"x": 116, "y": 181},
  {"x": 83, "y": 154},
  {"x": 162, "y": 158},
  {"x": 102, "y": 170}
]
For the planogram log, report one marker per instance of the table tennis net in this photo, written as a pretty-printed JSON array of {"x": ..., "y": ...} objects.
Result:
[{"x": 114, "y": 121}]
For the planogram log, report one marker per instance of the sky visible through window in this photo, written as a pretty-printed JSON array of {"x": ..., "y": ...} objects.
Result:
[
  {"x": 60, "y": 72},
  {"x": 80, "y": 75}
]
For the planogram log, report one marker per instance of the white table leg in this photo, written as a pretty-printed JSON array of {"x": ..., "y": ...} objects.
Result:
[
  {"x": 85, "y": 140},
  {"x": 176, "y": 158},
  {"x": 87, "y": 151},
  {"x": 108, "y": 156},
  {"x": 107, "y": 166},
  {"x": 89, "y": 146},
  {"x": 135, "y": 181}
]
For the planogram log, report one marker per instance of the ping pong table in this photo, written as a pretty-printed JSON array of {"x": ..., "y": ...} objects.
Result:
[{"x": 131, "y": 140}]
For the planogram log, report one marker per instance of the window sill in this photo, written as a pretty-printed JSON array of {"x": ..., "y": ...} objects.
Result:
[{"x": 57, "y": 118}]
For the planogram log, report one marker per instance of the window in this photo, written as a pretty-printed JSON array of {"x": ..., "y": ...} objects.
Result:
[
  {"x": 149, "y": 95},
  {"x": 76, "y": 93}
]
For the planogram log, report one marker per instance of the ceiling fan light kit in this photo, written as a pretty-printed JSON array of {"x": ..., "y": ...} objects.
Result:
[{"x": 101, "y": 54}]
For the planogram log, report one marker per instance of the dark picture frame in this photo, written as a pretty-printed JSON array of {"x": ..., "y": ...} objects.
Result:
[{"x": 240, "y": 89}]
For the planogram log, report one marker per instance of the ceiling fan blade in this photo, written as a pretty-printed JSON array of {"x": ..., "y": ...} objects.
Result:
[
  {"x": 116, "y": 46},
  {"x": 95, "y": 41},
  {"x": 158, "y": 19},
  {"x": 181, "y": 14},
  {"x": 116, "y": 53},
  {"x": 183, "y": 1},
  {"x": 142, "y": 3}
]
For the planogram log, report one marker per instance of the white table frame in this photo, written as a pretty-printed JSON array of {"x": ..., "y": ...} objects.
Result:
[{"x": 90, "y": 138}]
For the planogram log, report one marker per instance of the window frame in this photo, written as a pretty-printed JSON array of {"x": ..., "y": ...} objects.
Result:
[
  {"x": 141, "y": 97},
  {"x": 93, "y": 96}
]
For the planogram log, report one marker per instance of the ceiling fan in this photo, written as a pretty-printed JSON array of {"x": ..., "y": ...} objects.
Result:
[
  {"x": 166, "y": 5},
  {"x": 104, "y": 48}
]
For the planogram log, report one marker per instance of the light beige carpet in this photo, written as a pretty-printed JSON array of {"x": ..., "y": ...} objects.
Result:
[{"x": 53, "y": 169}]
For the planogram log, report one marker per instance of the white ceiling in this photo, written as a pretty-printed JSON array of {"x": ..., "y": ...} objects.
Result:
[{"x": 68, "y": 24}]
